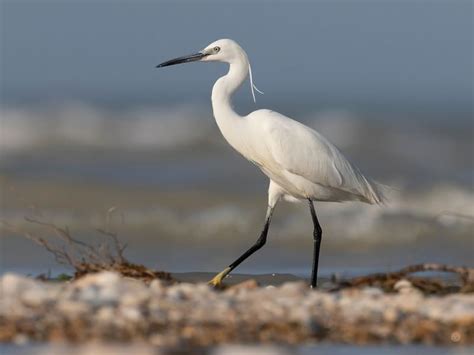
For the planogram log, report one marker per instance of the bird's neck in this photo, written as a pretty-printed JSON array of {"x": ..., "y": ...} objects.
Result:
[{"x": 223, "y": 90}]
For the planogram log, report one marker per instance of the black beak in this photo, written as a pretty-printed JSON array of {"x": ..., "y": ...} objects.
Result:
[{"x": 186, "y": 59}]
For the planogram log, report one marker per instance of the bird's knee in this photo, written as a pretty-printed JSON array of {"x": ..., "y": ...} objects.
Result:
[{"x": 260, "y": 242}]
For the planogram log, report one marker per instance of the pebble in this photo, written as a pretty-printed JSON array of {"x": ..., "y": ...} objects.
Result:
[
  {"x": 249, "y": 350},
  {"x": 404, "y": 286},
  {"x": 106, "y": 306},
  {"x": 97, "y": 348}
]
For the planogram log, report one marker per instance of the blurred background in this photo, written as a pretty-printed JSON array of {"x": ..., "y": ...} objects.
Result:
[{"x": 87, "y": 123}]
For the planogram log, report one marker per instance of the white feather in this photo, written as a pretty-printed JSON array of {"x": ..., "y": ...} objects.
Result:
[
  {"x": 252, "y": 86},
  {"x": 300, "y": 162}
]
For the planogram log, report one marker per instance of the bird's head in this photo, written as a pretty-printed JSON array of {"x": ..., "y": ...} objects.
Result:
[{"x": 222, "y": 50}]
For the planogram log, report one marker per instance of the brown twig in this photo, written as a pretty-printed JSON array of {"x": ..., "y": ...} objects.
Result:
[
  {"x": 119, "y": 248},
  {"x": 60, "y": 255},
  {"x": 86, "y": 258},
  {"x": 62, "y": 233}
]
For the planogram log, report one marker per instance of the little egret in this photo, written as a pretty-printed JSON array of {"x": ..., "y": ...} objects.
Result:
[{"x": 302, "y": 165}]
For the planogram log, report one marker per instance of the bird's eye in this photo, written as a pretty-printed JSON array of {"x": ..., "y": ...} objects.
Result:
[{"x": 217, "y": 49}]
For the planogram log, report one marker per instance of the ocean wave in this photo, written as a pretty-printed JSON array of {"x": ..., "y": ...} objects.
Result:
[
  {"x": 167, "y": 127},
  {"x": 78, "y": 124},
  {"x": 441, "y": 212},
  {"x": 416, "y": 156}
]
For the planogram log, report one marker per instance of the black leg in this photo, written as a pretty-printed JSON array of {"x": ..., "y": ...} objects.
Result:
[
  {"x": 317, "y": 237},
  {"x": 216, "y": 281},
  {"x": 258, "y": 244}
]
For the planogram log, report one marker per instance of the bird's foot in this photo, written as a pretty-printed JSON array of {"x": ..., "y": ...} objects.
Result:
[{"x": 217, "y": 280}]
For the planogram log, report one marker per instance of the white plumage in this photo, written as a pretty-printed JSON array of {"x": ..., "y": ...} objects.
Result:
[
  {"x": 303, "y": 163},
  {"x": 300, "y": 163},
  {"x": 295, "y": 157}
]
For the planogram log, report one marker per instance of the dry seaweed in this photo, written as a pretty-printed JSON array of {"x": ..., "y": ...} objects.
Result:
[
  {"x": 108, "y": 255},
  {"x": 84, "y": 258},
  {"x": 427, "y": 284}
]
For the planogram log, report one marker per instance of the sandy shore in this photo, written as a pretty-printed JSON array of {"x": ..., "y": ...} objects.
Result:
[{"x": 108, "y": 307}]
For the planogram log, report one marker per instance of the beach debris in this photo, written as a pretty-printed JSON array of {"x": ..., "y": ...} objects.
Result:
[
  {"x": 106, "y": 306},
  {"x": 85, "y": 258},
  {"x": 402, "y": 280}
]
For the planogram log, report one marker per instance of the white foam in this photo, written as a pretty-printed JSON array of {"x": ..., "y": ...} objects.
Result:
[
  {"x": 399, "y": 223},
  {"x": 17, "y": 130},
  {"x": 76, "y": 124}
]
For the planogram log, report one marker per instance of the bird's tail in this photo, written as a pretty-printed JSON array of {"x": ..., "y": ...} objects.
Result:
[{"x": 377, "y": 193}]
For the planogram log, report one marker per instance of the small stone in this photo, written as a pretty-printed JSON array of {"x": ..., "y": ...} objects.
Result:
[
  {"x": 99, "y": 289},
  {"x": 105, "y": 315},
  {"x": 249, "y": 350},
  {"x": 131, "y": 314},
  {"x": 97, "y": 348},
  {"x": 13, "y": 285},
  {"x": 72, "y": 308},
  {"x": 406, "y": 287},
  {"x": 390, "y": 315},
  {"x": 295, "y": 287},
  {"x": 21, "y": 339},
  {"x": 372, "y": 291},
  {"x": 402, "y": 284},
  {"x": 35, "y": 296},
  {"x": 104, "y": 279},
  {"x": 175, "y": 294},
  {"x": 456, "y": 337},
  {"x": 245, "y": 285},
  {"x": 157, "y": 286}
]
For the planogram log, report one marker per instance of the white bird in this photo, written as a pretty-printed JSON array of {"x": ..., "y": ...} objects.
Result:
[{"x": 301, "y": 164}]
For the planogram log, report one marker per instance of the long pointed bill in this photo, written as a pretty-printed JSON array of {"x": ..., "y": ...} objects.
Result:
[{"x": 186, "y": 59}]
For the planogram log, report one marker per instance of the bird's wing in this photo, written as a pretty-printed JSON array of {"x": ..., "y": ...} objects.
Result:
[{"x": 304, "y": 152}]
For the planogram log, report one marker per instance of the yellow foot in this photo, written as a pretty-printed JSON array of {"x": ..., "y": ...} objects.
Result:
[{"x": 217, "y": 280}]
